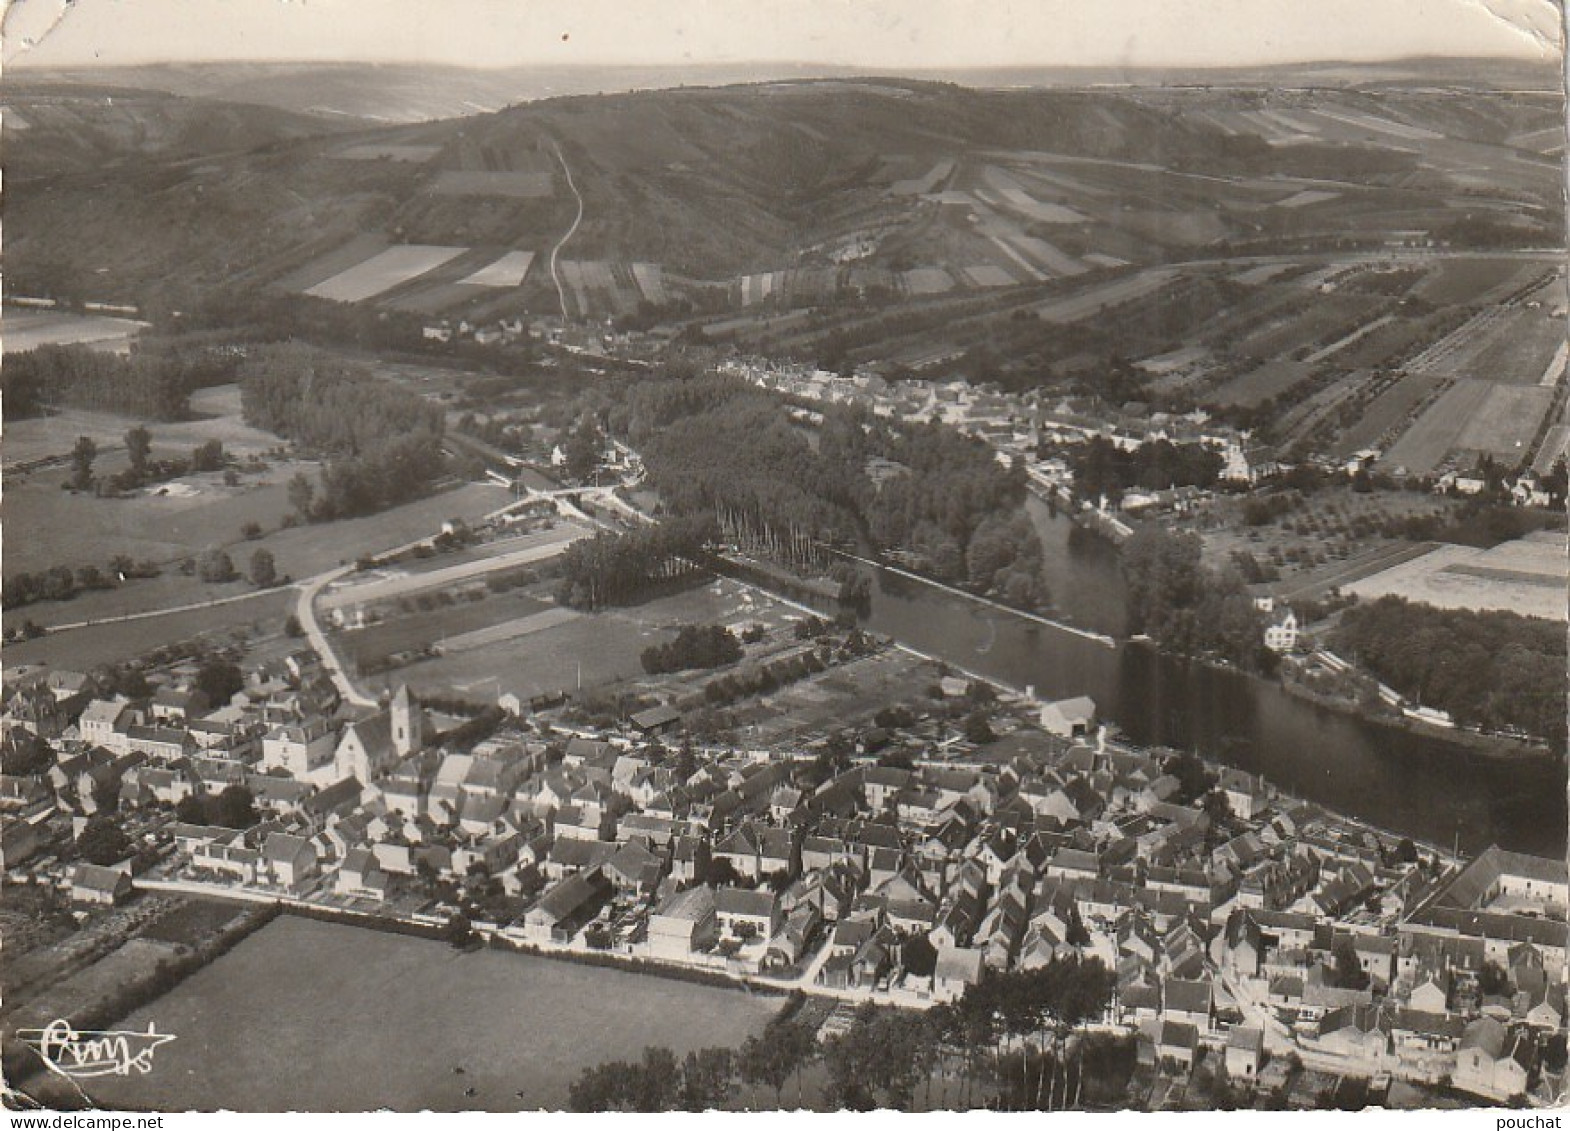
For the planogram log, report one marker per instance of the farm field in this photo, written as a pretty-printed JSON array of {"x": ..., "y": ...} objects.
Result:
[
  {"x": 216, "y": 413},
  {"x": 508, "y": 271},
  {"x": 1520, "y": 350},
  {"x": 384, "y": 584},
  {"x": 1424, "y": 446},
  {"x": 383, "y": 271},
  {"x": 1270, "y": 379},
  {"x": 422, "y": 628},
  {"x": 194, "y": 513},
  {"x": 606, "y": 645},
  {"x": 1465, "y": 281},
  {"x": 1555, "y": 445},
  {"x": 1385, "y": 412},
  {"x": 86, "y": 988},
  {"x": 418, "y": 154},
  {"x": 526, "y": 185},
  {"x": 1086, "y": 302},
  {"x": 1507, "y": 422},
  {"x": 508, "y": 631},
  {"x": 385, "y": 1019},
  {"x": 27, "y": 329},
  {"x": 81, "y": 649},
  {"x": 1527, "y": 576},
  {"x": 168, "y": 529}
]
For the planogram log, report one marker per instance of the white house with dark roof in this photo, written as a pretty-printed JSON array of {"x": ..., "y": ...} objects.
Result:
[
  {"x": 1069, "y": 718},
  {"x": 290, "y": 860}
]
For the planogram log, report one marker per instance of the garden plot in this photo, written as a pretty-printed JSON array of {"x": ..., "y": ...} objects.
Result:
[{"x": 384, "y": 271}]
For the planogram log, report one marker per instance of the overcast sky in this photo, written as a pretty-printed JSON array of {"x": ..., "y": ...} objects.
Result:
[{"x": 876, "y": 34}]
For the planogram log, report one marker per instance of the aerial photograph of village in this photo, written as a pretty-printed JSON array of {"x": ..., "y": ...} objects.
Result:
[{"x": 784, "y": 555}]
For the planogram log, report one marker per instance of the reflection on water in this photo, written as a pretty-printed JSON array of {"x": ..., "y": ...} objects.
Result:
[{"x": 1413, "y": 784}]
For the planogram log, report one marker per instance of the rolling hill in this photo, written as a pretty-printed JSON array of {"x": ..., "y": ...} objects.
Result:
[{"x": 777, "y": 195}]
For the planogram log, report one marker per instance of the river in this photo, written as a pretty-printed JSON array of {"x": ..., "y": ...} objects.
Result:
[{"x": 1413, "y": 784}]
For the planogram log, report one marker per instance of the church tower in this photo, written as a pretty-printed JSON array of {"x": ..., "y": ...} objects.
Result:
[{"x": 408, "y": 722}]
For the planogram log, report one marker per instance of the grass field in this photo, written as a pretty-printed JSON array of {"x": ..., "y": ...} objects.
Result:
[
  {"x": 520, "y": 184},
  {"x": 1526, "y": 577},
  {"x": 28, "y": 329},
  {"x": 1094, "y": 299},
  {"x": 383, "y": 271},
  {"x": 1424, "y": 446},
  {"x": 298, "y": 551},
  {"x": 387, "y": 584},
  {"x": 83, "y": 648},
  {"x": 1386, "y": 411},
  {"x": 75, "y": 528},
  {"x": 1465, "y": 281},
  {"x": 1269, "y": 380},
  {"x": 363, "y": 645},
  {"x": 1519, "y": 351},
  {"x": 1506, "y": 422},
  {"x": 604, "y": 647},
  {"x": 215, "y": 416},
  {"x": 383, "y": 1020}
]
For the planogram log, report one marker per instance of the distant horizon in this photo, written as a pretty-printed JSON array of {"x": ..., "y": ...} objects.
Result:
[
  {"x": 797, "y": 64},
  {"x": 868, "y": 35}
]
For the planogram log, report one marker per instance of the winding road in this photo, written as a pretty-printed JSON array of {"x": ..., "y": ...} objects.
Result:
[{"x": 561, "y": 291}]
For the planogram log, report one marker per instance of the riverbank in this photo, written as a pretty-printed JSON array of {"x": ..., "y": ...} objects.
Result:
[
  {"x": 1496, "y": 746},
  {"x": 1083, "y": 633}
]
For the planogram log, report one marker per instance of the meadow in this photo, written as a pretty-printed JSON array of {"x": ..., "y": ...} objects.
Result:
[
  {"x": 325, "y": 1017},
  {"x": 28, "y": 329}
]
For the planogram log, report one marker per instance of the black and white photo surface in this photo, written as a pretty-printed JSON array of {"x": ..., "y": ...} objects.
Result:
[{"x": 932, "y": 555}]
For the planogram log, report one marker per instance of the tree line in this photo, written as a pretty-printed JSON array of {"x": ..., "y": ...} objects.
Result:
[
  {"x": 382, "y": 442},
  {"x": 695, "y": 646},
  {"x": 1101, "y": 468},
  {"x": 152, "y": 382},
  {"x": 618, "y": 569},
  {"x": 1188, "y": 608},
  {"x": 1009, "y": 1042},
  {"x": 717, "y": 446},
  {"x": 1494, "y": 669}
]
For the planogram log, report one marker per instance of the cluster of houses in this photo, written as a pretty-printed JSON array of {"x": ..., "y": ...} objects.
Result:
[
  {"x": 1016, "y": 426},
  {"x": 1235, "y": 919}
]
